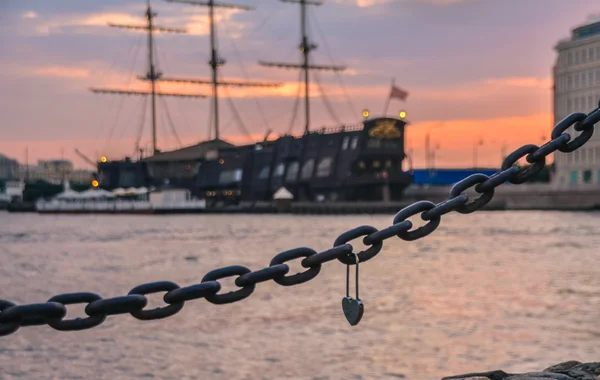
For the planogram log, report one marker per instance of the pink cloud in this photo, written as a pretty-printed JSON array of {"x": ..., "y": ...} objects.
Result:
[{"x": 62, "y": 72}]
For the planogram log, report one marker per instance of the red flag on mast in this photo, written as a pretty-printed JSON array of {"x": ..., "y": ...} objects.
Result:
[{"x": 398, "y": 93}]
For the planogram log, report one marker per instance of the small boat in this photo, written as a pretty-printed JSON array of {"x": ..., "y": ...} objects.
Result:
[{"x": 167, "y": 200}]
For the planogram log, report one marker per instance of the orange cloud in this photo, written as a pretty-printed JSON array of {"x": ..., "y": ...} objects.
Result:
[
  {"x": 62, "y": 72},
  {"x": 370, "y": 3},
  {"x": 29, "y": 15},
  {"x": 529, "y": 82},
  {"x": 491, "y": 87},
  {"x": 195, "y": 21}
]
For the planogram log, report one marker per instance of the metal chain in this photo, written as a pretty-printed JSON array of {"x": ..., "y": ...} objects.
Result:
[{"x": 53, "y": 312}]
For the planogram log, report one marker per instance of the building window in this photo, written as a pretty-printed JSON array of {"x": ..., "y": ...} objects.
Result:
[
  {"x": 577, "y": 57},
  {"x": 264, "y": 173},
  {"x": 573, "y": 177},
  {"x": 324, "y": 167},
  {"x": 576, "y": 80},
  {"x": 587, "y": 176},
  {"x": 591, "y": 54},
  {"x": 292, "y": 172},
  {"x": 569, "y": 105},
  {"x": 307, "y": 169},
  {"x": 598, "y": 176},
  {"x": 345, "y": 143},
  {"x": 354, "y": 142},
  {"x": 570, "y": 82},
  {"x": 590, "y": 78}
]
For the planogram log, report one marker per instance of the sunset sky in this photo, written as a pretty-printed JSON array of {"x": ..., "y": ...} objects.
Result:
[{"x": 475, "y": 69}]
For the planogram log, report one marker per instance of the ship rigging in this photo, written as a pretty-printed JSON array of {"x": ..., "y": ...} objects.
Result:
[
  {"x": 349, "y": 163},
  {"x": 152, "y": 75}
]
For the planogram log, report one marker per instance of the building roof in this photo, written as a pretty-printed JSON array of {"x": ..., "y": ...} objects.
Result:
[
  {"x": 3, "y": 157},
  {"x": 190, "y": 153},
  {"x": 587, "y": 30}
]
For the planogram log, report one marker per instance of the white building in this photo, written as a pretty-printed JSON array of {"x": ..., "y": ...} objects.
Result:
[
  {"x": 9, "y": 168},
  {"x": 577, "y": 89},
  {"x": 55, "y": 171}
]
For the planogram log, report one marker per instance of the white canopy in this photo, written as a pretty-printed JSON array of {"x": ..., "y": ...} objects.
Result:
[
  {"x": 96, "y": 194},
  {"x": 283, "y": 193},
  {"x": 68, "y": 194},
  {"x": 130, "y": 191}
]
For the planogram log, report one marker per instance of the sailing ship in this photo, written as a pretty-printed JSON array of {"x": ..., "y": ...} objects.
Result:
[{"x": 363, "y": 162}]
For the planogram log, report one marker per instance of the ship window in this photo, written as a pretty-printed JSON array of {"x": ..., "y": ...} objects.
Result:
[
  {"x": 324, "y": 168},
  {"x": 264, "y": 173},
  {"x": 376, "y": 164},
  {"x": 354, "y": 142},
  {"x": 279, "y": 169},
  {"x": 292, "y": 172},
  {"x": 388, "y": 164},
  {"x": 345, "y": 143},
  {"x": 307, "y": 169},
  {"x": 573, "y": 177},
  {"x": 230, "y": 176}
]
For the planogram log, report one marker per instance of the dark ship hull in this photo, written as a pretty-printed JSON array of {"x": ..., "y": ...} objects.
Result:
[{"x": 362, "y": 163}]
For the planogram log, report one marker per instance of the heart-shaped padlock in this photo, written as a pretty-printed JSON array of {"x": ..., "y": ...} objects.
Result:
[
  {"x": 353, "y": 310},
  {"x": 353, "y": 307}
]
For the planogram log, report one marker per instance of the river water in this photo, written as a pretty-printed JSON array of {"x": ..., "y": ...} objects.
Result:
[{"x": 512, "y": 290}]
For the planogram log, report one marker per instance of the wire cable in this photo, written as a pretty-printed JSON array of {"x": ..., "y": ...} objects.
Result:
[
  {"x": 296, "y": 105},
  {"x": 247, "y": 77},
  {"x": 163, "y": 60},
  {"x": 210, "y": 118},
  {"x": 171, "y": 125},
  {"x": 236, "y": 115},
  {"x": 136, "y": 43},
  {"x": 120, "y": 107},
  {"x": 141, "y": 127},
  {"x": 349, "y": 102},
  {"x": 328, "y": 105}
]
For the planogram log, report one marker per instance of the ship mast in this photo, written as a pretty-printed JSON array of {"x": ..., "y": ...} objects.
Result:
[
  {"x": 216, "y": 61},
  {"x": 152, "y": 75},
  {"x": 305, "y": 47}
]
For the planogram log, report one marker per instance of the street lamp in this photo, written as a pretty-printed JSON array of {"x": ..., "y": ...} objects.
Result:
[
  {"x": 476, "y": 145},
  {"x": 428, "y": 155}
]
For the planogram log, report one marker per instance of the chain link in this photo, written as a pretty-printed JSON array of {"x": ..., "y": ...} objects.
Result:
[{"x": 53, "y": 312}]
